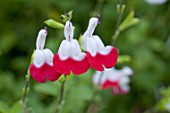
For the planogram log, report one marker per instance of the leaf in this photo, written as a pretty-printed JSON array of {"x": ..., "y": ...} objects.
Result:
[
  {"x": 17, "y": 108},
  {"x": 70, "y": 14},
  {"x": 54, "y": 24},
  {"x": 124, "y": 58},
  {"x": 129, "y": 21},
  {"x": 67, "y": 16},
  {"x": 48, "y": 88},
  {"x": 4, "y": 107}
]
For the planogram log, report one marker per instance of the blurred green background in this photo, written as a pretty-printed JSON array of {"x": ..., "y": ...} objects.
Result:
[{"x": 148, "y": 45}]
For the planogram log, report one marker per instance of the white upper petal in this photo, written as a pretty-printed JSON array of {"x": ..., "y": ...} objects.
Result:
[
  {"x": 48, "y": 56},
  {"x": 41, "y": 39},
  {"x": 83, "y": 43},
  {"x": 76, "y": 53},
  {"x": 96, "y": 77},
  {"x": 110, "y": 74},
  {"x": 99, "y": 43},
  {"x": 91, "y": 46},
  {"x": 124, "y": 80},
  {"x": 127, "y": 71},
  {"x": 88, "y": 33},
  {"x": 39, "y": 58},
  {"x": 106, "y": 50},
  {"x": 68, "y": 31},
  {"x": 64, "y": 50},
  {"x": 91, "y": 27}
]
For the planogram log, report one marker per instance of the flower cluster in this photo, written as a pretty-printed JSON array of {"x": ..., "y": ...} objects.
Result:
[
  {"x": 117, "y": 80},
  {"x": 70, "y": 58}
]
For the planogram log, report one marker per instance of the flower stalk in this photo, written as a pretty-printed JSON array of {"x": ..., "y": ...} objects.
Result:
[
  {"x": 61, "y": 96},
  {"x": 25, "y": 91},
  {"x": 94, "y": 95},
  {"x": 120, "y": 8}
]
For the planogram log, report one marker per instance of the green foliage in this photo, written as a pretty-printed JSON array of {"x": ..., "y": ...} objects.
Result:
[
  {"x": 129, "y": 21},
  {"x": 144, "y": 47},
  {"x": 54, "y": 24}
]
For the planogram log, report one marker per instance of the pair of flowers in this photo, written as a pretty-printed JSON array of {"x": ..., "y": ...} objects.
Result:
[{"x": 70, "y": 58}]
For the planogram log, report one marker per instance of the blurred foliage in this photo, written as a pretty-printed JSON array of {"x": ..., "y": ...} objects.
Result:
[{"x": 146, "y": 44}]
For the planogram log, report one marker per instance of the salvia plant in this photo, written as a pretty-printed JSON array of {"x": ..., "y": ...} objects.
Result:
[{"x": 77, "y": 57}]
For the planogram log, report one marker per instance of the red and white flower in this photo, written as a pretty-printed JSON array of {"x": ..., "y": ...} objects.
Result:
[
  {"x": 98, "y": 55},
  {"x": 42, "y": 66},
  {"x": 69, "y": 57},
  {"x": 117, "y": 80}
]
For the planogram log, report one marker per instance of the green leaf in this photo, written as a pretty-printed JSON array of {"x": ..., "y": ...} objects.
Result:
[
  {"x": 129, "y": 21},
  {"x": 64, "y": 18},
  {"x": 17, "y": 108},
  {"x": 124, "y": 58},
  {"x": 54, "y": 24},
  {"x": 70, "y": 14},
  {"x": 48, "y": 88},
  {"x": 4, "y": 107}
]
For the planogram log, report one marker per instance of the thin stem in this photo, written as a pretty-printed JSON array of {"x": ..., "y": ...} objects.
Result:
[
  {"x": 61, "y": 96},
  {"x": 97, "y": 8},
  {"x": 24, "y": 94},
  {"x": 95, "y": 92},
  {"x": 117, "y": 31}
]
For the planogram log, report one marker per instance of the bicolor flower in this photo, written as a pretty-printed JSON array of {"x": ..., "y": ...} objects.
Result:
[
  {"x": 98, "y": 55},
  {"x": 42, "y": 66},
  {"x": 69, "y": 57},
  {"x": 117, "y": 80}
]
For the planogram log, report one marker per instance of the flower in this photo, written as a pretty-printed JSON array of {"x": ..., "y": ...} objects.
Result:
[
  {"x": 156, "y": 1},
  {"x": 69, "y": 57},
  {"x": 98, "y": 55},
  {"x": 42, "y": 66},
  {"x": 117, "y": 80}
]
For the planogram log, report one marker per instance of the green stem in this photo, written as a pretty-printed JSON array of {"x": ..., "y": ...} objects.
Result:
[
  {"x": 97, "y": 8},
  {"x": 61, "y": 96},
  {"x": 24, "y": 94},
  {"x": 95, "y": 93},
  {"x": 117, "y": 31}
]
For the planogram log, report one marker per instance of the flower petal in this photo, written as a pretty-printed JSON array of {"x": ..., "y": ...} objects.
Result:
[
  {"x": 91, "y": 46},
  {"x": 41, "y": 39},
  {"x": 64, "y": 50},
  {"x": 48, "y": 56},
  {"x": 62, "y": 66},
  {"x": 38, "y": 74},
  {"x": 76, "y": 53},
  {"x": 68, "y": 65},
  {"x": 99, "y": 43},
  {"x": 96, "y": 78},
  {"x": 80, "y": 67},
  {"x": 95, "y": 61},
  {"x": 127, "y": 71},
  {"x": 51, "y": 73},
  {"x": 109, "y": 84},
  {"x": 68, "y": 31},
  {"x": 42, "y": 73},
  {"x": 110, "y": 59},
  {"x": 39, "y": 58},
  {"x": 99, "y": 60}
]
